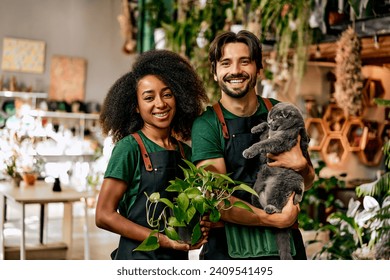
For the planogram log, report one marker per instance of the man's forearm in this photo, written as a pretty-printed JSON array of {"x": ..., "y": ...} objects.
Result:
[
  {"x": 256, "y": 218},
  {"x": 308, "y": 175}
]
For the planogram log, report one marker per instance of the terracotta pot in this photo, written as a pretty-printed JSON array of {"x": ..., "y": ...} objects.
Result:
[{"x": 29, "y": 178}]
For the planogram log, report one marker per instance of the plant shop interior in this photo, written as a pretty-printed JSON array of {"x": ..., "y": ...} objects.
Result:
[{"x": 331, "y": 58}]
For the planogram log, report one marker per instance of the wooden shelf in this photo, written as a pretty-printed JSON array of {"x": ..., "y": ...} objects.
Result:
[
  {"x": 23, "y": 94},
  {"x": 356, "y": 134},
  {"x": 334, "y": 119},
  {"x": 334, "y": 151},
  {"x": 316, "y": 130},
  {"x": 371, "y": 53},
  {"x": 64, "y": 115}
]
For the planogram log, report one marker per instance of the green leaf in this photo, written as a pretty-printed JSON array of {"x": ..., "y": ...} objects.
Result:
[
  {"x": 150, "y": 243},
  {"x": 173, "y": 222},
  {"x": 179, "y": 214},
  {"x": 190, "y": 165},
  {"x": 215, "y": 215},
  {"x": 167, "y": 202},
  {"x": 190, "y": 213},
  {"x": 196, "y": 234},
  {"x": 177, "y": 185},
  {"x": 199, "y": 203},
  {"x": 171, "y": 233},
  {"x": 183, "y": 201},
  {"x": 192, "y": 192},
  {"x": 246, "y": 188},
  {"x": 242, "y": 205},
  {"x": 226, "y": 203},
  {"x": 226, "y": 177}
]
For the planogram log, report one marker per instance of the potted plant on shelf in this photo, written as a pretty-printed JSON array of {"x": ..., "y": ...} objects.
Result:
[
  {"x": 201, "y": 192},
  {"x": 12, "y": 170}
]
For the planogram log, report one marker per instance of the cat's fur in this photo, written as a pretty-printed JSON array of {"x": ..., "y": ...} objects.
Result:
[{"x": 275, "y": 185}]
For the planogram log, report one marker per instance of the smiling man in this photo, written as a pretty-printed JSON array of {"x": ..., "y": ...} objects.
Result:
[{"x": 223, "y": 131}]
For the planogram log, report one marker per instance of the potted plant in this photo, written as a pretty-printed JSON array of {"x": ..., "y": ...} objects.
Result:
[
  {"x": 201, "y": 192},
  {"x": 11, "y": 169}
]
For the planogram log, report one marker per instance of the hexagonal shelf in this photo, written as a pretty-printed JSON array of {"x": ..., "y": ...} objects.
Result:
[
  {"x": 334, "y": 151},
  {"x": 334, "y": 119},
  {"x": 372, "y": 153},
  {"x": 356, "y": 134},
  {"x": 372, "y": 89},
  {"x": 316, "y": 130}
]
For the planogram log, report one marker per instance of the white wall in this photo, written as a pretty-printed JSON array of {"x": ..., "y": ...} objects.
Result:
[{"x": 81, "y": 28}]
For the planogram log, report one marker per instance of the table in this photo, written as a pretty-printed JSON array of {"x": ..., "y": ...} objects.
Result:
[{"x": 42, "y": 193}]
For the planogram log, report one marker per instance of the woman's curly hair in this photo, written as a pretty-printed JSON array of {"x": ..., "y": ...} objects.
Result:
[{"x": 119, "y": 117}]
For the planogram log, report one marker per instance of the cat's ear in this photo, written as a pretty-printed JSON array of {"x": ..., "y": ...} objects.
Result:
[{"x": 287, "y": 113}]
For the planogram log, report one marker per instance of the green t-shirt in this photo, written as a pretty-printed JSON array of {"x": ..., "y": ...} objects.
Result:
[
  {"x": 207, "y": 138},
  {"x": 126, "y": 162}
]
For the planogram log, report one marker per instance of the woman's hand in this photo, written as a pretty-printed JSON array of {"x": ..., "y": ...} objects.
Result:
[{"x": 166, "y": 242}]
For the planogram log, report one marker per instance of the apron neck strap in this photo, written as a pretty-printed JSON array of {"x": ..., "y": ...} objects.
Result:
[
  {"x": 218, "y": 111},
  {"x": 145, "y": 155}
]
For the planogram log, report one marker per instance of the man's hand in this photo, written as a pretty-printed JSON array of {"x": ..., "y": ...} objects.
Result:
[
  {"x": 290, "y": 212},
  {"x": 295, "y": 160},
  {"x": 292, "y": 159}
]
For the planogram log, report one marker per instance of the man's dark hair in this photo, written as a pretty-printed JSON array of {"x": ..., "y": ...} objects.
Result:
[{"x": 243, "y": 36}]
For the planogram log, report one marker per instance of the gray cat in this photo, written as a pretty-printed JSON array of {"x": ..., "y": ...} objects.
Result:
[{"x": 275, "y": 184}]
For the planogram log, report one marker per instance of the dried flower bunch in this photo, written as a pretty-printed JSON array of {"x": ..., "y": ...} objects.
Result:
[{"x": 349, "y": 77}]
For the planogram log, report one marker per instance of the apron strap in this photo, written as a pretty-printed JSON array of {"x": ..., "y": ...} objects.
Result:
[
  {"x": 144, "y": 153},
  {"x": 218, "y": 111},
  {"x": 181, "y": 149},
  {"x": 267, "y": 103}
]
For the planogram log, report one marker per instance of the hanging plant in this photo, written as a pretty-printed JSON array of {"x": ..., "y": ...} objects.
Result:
[
  {"x": 349, "y": 77},
  {"x": 288, "y": 21}
]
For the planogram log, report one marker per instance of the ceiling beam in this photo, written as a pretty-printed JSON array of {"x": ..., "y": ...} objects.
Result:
[{"x": 372, "y": 52}]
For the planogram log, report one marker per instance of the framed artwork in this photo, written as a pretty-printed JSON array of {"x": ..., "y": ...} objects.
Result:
[
  {"x": 67, "y": 78},
  {"x": 23, "y": 55}
]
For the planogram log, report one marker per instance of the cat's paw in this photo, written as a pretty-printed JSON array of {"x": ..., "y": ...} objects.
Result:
[
  {"x": 270, "y": 209},
  {"x": 248, "y": 154},
  {"x": 297, "y": 198},
  {"x": 259, "y": 128}
]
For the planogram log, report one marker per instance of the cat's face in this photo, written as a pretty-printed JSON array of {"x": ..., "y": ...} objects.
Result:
[{"x": 284, "y": 116}]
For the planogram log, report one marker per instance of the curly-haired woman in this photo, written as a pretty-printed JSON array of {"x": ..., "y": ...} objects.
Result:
[{"x": 152, "y": 108}]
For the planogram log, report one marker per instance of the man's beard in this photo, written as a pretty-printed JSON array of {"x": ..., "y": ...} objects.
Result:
[{"x": 237, "y": 93}]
